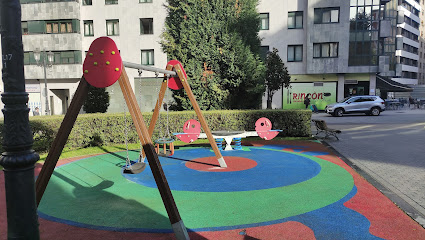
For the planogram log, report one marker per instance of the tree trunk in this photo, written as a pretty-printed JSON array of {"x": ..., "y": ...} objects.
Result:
[
  {"x": 269, "y": 104},
  {"x": 269, "y": 99}
]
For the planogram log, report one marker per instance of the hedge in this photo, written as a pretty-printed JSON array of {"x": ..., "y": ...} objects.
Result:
[{"x": 109, "y": 129}]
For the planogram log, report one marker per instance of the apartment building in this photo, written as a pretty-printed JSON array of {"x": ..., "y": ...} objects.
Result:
[
  {"x": 421, "y": 72},
  {"x": 408, "y": 45},
  {"x": 332, "y": 48},
  {"x": 66, "y": 28}
]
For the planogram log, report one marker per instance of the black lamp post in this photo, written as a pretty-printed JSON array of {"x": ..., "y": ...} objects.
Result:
[
  {"x": 18, "y": 158},
  {"x": 47, "y": 61}
]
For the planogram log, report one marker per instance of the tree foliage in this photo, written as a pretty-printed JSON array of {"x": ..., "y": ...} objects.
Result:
[
  {"x": 218, "y": 45},
  {"x": 277, "y": 75},
  {"x": 97, "y": 100}
]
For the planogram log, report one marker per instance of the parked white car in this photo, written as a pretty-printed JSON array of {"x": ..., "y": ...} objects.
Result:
[{"x": 370, "y": 105}]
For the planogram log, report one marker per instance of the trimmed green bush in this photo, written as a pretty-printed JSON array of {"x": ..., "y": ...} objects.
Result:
[{"x": 109, "y": 129}]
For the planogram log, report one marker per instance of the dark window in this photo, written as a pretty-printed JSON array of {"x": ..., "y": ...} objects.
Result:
[
  {"x": 326, "y": 15},
  {"x": 325, "y": 50},
  {"x": 147, "y": 57},
  {"x": 146, "y": 26},
  {"x": 295, "y": 20},
  {"x": 295, "y": 53},
  {"x": 111, "y": 2},
  {"x": 264, "y": 21},
  {"x": 264, "y": 50},
  {"x": 61, "y": 57},
  {"x": 112, "y": 27},
  {"x": 88, "y": 28},
  {"x": 87, "y": 2},
  {"x": 60, "y": 26},
  {"x": 145, "y": 1}
]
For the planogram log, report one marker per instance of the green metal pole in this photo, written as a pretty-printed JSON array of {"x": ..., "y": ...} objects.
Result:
[{"x": 18, "y": 159}]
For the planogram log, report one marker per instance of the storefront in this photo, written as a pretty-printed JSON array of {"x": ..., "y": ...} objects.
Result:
[{"x": 321, "y": 94}]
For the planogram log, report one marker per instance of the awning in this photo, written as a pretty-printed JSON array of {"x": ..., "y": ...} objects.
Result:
[{"x": 386, "y": 84}]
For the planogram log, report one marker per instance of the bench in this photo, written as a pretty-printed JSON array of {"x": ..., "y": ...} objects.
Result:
[{"x": 322, "y": 127}]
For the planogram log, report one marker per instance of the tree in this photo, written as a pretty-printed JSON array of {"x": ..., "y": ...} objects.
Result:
[
  {"x": 277, "y": 75},
  {"x": 97, "y": 100},
  {"x": 217, "y": 42}
]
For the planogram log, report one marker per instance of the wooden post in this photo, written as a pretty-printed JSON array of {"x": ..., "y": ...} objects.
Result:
[
  {"x": 61, "y": 138},
  {"x": 159, "y": 176},
  {"x": 201, "y": 118}
]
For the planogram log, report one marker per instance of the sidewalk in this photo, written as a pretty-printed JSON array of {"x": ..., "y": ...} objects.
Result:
[{"x": 295, "y": 190}]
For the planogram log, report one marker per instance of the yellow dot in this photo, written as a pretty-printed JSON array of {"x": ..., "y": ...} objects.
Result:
[
  {"x": 165, "y": 80},
  {"x": 95, "y": 63},
  {"x": 90, "y": 54},
  {"x": 86, "y": 71},
  {"x": 113, "y": 52},
  {"x": 107, "y": 62},
  {"x": 101, "y": 51},
  {"x": 117, "y": 69}
]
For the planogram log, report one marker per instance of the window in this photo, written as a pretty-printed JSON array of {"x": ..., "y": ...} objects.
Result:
[
  {"x": 147, "y": 57},
  {"x": 264, "y": 21},
  {"x": 325, "y": 50},
  {"x": 88, "y": 28},
  {"x": 295, "y": 20},
  {"x": 264, "y": 50},
  {"x": 59, "y": 57},
  {"x": 295, "y": 53},
  {"x": 87, "y": 2},
  {"x": 111, "y": 2},
  {"x": 59, "y": 27},
  {"x": 146, "y": 26},
  {"x": 112, "y": 27},
  {"x": 326, "y": 15},
  {"x": 145, "y": 1},
  {"x": 24, "y": 26}
]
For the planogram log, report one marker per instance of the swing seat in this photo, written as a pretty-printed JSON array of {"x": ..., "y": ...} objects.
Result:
[
  {"x": 135, "y": 168},
  {"x": 164, "y": 142}
]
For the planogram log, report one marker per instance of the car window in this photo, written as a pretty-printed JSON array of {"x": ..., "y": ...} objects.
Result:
[
  {"x": 368, "y": 99},
  {"x": 359, "y": 100},
  {"x": 345, "y": 99}
]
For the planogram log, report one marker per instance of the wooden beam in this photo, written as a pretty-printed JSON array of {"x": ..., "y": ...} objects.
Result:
[
  {"x": 61, "y": 138},
  {"x": 152, "y": 157},
  {"x": 201, "y": 118}
]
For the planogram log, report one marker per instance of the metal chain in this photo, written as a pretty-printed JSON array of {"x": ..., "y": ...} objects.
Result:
[
  {"x": 167, "y": 92},
  {"x": 127, "y": 160},
  {"x": 141, "y": 159}
]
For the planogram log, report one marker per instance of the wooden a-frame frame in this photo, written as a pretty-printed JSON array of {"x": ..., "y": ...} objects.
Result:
[
  {"x": 195, "y": 105},
  {"x": 144, "y": 136}
]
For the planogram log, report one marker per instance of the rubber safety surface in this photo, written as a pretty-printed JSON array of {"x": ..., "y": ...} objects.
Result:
[{"x": 294, "y": 190}]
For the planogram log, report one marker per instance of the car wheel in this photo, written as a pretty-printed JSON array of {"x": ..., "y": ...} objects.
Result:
[
  {"x": 339, "y": 112},
  {"x": 375, "y": 111}
]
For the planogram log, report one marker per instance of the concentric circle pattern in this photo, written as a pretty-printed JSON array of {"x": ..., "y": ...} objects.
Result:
[{"x": 262, "y": 189}]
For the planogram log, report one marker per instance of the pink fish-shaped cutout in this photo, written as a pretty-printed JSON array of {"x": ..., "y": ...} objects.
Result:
[
  {"x": 263, "y": 128},
  {"x": 191, "y": 129}
]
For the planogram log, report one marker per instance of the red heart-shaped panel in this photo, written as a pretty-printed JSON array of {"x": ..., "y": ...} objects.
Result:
[{"x": 175, "y": 82}]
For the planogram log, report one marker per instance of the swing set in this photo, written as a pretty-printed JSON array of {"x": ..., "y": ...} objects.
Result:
[{"x": 102, "y": 68}]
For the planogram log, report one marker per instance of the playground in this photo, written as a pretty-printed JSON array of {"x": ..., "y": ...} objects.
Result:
[
  {"x": 270, "y": 190},
  {"x": 260, "y": 189}
]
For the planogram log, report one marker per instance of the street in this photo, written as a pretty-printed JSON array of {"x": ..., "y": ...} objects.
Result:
[{"x": 390, "y": 149}]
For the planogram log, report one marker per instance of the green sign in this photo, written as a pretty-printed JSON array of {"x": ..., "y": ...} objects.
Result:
[{"x": 293, "y": 98}]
